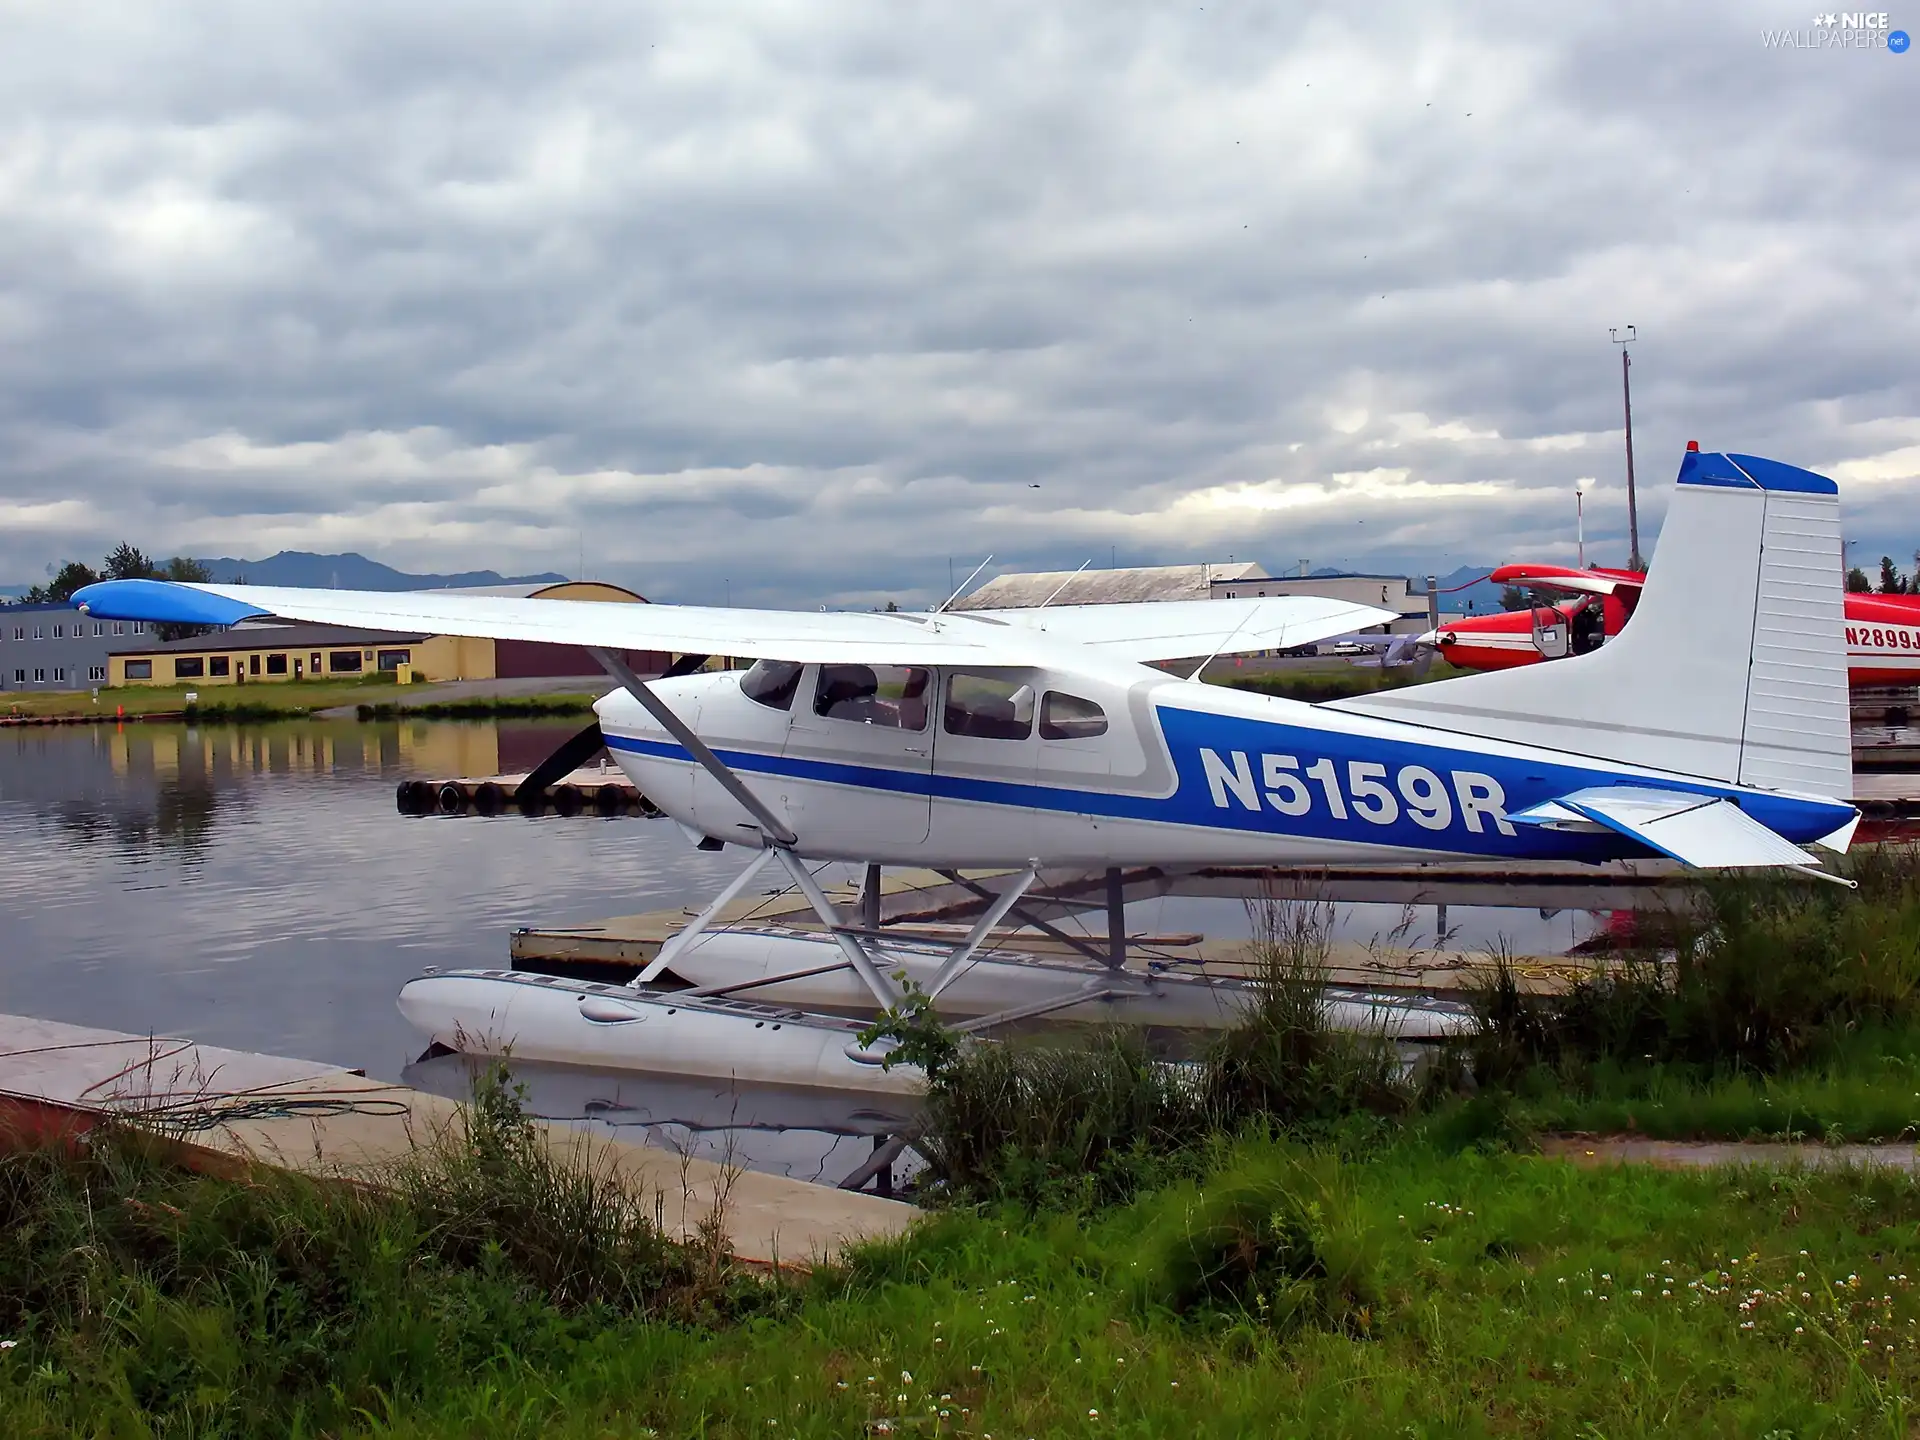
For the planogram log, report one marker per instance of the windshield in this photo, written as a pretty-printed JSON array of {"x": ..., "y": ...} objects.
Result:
[{"x": 772, "y": 683}]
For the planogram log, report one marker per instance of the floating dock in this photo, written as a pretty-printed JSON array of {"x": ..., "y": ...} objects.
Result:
[
  {"x": 229, "y": 1111},
  {"x": 601, "y": 789}
]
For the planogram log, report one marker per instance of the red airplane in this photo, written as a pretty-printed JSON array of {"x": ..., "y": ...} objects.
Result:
[{"x": 1882, "y": 631}]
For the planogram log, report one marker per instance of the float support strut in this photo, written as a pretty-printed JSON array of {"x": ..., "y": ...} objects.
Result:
[
  {"x": 850, "y": 945},
  {"x": 982, "y": 928},
  {"x": 690, "y": 931}
]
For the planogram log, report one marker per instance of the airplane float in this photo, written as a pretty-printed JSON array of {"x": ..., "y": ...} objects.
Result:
[{"x": 1714, "y": 732}]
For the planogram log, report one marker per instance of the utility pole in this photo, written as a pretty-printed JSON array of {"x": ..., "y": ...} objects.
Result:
[
  {"x": 1634, "y": 562},
  {"x": 1580, "y": 523}
]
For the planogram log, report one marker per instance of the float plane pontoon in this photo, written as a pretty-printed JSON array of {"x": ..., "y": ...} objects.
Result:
[{"x": 1713, "y": 731}]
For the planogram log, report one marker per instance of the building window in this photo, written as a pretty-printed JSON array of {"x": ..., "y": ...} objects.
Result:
[
  {"x": 394, "y": 659},
  {"x": 39, "y": 675},
  {"x": 189, "y": 667},
  {"x": 276, "y": 664},
  {"x": 217, "y": 665},
  {"x": 99, "y": 628},
  {"x": 19, "y": 632},
  {"x": 313, "y": 663},
  {"x": 59, "y": 674},
  {"x": 988, "y": 707},
  {"x": 253, "y": 664},
  {"x": 119, "y": 627},
  {"x": 342, "y": 662},
  {"x": 139, "y": 669},
  {"x": 19, "y": 677},
  {"x": 59, "y": 632},
  {"x": 39, "y": 632},
  {"x": 96, "y": 672},
  {"x": 139, "y": 627}
]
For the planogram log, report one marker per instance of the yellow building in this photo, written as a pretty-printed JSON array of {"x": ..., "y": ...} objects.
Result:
[{"x": 270, "y": 653}]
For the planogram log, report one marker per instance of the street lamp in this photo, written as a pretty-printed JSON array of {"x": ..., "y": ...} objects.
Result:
[{"x": 1634, "y": 562}]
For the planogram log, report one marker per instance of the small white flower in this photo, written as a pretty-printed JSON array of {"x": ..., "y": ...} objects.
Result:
[{"x": 8, "y": 1344}]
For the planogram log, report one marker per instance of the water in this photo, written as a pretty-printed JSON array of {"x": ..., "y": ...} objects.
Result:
[{"x": 254, "y": 887}]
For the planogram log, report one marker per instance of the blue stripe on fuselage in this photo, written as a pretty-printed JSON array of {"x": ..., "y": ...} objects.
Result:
[{"x": 1454, "y": 790}]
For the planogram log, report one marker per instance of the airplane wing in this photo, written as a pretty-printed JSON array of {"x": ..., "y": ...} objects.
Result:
[
  {"x": 1573, "y": 582},
  {"x": 1187, "y": 629},
  {"x": 978, "y": 637},
  {"x": 1705, "y": 832}
]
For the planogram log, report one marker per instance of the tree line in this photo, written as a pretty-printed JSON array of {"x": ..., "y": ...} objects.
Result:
[
  {"x": 1892, "y": 582},
  {"x": 123, "y": 562}
]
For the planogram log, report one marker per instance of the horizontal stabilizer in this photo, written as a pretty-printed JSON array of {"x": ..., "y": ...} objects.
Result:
[{"x": 1708, "y": 833}]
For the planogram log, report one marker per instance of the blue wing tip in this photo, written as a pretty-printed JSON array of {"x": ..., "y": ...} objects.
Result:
[
  {"x": 162, "y": 602},
  {"x": 1750, "y": 472}
]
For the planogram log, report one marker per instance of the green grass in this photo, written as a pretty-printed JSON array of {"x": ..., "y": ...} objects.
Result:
[
  {"x": 1865, "y": 1088},
  {"x": 528, "y": 707},
  {"x": 1410, "y": 1289},
  {"x": 283, "y": 700}
]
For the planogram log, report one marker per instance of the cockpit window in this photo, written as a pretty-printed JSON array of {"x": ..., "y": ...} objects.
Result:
[
  {"x": 1068, "y": 717},
  {"x": 988, "y": 707},
  {"x": 890, "y": 695},
  {"x": 772, "y": 683}
]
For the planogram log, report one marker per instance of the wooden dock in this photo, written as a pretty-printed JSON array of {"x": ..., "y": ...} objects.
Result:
[
  {"x": 920, "y": 904},
  {"x": 228, "y": 1111}
]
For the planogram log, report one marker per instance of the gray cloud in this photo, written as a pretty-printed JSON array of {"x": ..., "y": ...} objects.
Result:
[{"x": 806, "y": 300}]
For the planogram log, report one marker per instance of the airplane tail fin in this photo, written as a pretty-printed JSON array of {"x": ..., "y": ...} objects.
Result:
[{"x": 1731, "y": 668}]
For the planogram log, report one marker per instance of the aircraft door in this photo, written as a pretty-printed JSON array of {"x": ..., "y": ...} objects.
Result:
[
  {"x": 859, "y": 755},
  {"x": 1550, "y": 636},
  {"x": 988, "y": 751}
]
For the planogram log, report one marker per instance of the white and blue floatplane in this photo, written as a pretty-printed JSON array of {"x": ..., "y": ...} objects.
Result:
[{"x": 1713, "y": 732}]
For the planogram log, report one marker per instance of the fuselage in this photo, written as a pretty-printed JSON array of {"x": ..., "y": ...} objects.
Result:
[
  {"x": 1123, "y": 766},
  {"x": 1882, "y": 635}
]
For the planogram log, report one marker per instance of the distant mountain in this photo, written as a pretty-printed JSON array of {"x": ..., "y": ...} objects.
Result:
[
  {"x": 1468, "y": 589},
  {"x": 353, "y": 572}
]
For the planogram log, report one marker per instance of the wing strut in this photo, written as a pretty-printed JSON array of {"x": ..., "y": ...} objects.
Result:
[
  {"x": 778, "y": 838},
  {"x": 770, "y": 824}
]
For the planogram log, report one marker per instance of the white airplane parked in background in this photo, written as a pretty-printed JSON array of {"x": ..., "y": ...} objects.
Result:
[{"x": 1714, "y": 732}]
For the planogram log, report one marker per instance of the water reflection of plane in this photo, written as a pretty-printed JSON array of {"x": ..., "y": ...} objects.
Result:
[{"x": 816, "y": 1135}]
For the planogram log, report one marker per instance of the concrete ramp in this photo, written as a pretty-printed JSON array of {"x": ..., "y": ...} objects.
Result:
[{"x": 229, "y": 1110}]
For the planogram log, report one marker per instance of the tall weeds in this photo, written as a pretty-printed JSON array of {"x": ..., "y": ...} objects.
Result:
[
  {"x": 1773, "y": 975},
  {"x": 152, "y": 1299},
  {"x": 1092, "y": 1119}
]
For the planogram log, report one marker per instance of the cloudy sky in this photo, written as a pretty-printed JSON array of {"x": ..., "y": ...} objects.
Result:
[{"x": 799, "y": 302}]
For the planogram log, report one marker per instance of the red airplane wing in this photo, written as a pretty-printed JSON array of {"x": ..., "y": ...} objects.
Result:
[{"x": 1594, "y": 581}]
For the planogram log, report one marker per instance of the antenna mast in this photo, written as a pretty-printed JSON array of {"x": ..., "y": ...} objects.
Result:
[{"x": 1634, "y": 562}]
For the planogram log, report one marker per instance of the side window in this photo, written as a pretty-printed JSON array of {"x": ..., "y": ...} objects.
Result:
[
  {"x": 988, "y": 707},
  {"x": 889, "y": 695},
  {"x": 1068, "y": 717},
  {"x": 772, "y": 683}
]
